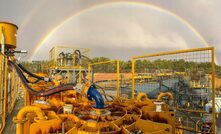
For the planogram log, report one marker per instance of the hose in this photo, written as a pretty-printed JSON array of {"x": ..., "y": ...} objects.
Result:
[
  {"x": 31, "y": 74},
  {"x": 49, "y": 92}
]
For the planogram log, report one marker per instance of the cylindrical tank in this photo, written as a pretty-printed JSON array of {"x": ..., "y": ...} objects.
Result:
[{"x": 10, "y": 31}]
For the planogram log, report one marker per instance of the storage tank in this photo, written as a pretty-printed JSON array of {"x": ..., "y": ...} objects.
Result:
[{"x": 9, "y": 31}]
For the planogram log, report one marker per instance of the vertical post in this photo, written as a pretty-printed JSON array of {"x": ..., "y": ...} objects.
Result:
[
  {"x": 89, "y": 74},
  {"x": 133, "y": 81},
  {"x": 79, "y": 74},
  {"x": 3, "y": 76},
  {"x": 56, "y": 57},
  {"x": 118, "y": 78},
  {"x": 1, "y": 86},
  {"x": 213, "y": 91},
  {"x": 5, "y": 87}
]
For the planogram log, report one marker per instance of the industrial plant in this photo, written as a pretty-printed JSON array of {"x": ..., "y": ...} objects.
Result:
[{"x": 155, "y": 93}]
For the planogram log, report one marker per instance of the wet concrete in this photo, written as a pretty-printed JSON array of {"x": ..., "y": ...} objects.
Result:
[{"x": 10, "y": 126}]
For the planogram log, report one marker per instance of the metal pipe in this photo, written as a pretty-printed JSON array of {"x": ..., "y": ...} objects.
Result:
[
  {"x": 93, "y": 94},
  {"x": 174, "y": 52},
  {"x": 161, "y": 95},
  {"x": 141, "y": 96},
  {"x": 22, "y": 114}
]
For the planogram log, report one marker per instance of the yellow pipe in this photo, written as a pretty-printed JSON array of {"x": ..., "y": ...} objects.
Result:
[
  {"x": 133, "y": 80},
  {"x": 174, "y": 52},
  {"x": 142, "y": 95},
  {"x": 52, "y": 115},
  {"x": 71, "y": 117},
  {"x": 22, "y": 114},
  {"x": 161, "y": 95},
  {"x": 103, "y": 62},
  {"x": 118, "y": 78},
  {"x": 1, "y": 60},
  {"x": 5, "y": 88},
  {"x": 89, "y": 74},
  {"x": 213, "y": 91}
]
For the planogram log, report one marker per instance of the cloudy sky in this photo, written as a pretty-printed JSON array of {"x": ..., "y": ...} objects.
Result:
[{"x": 115, "y": 29}]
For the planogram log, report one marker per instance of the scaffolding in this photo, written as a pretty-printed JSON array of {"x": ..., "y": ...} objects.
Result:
[{"x": 65, "y": 61}]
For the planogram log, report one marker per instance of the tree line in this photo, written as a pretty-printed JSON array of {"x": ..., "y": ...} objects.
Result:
[{"x": 141, "y": 66}]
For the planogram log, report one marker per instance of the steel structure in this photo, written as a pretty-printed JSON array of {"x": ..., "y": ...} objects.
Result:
[
  {"x": 8, "y": 78},
  {"x": 197, "y": 57},
  {"x": 92, "y": 68}
]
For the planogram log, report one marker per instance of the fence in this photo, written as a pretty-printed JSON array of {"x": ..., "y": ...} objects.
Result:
[
  {"x": 106, "y": 74},
  {"x": 188, "y": 74}
]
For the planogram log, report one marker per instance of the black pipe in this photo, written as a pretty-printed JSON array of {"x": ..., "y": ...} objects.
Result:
[
  {"x": 49, "y": 92},
  {"x": 31, "y": 74}
]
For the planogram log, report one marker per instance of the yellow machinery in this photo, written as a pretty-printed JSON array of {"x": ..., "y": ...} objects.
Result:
[
  {"x": 69, "y": 103},
  {"x": 186, "y": 67},
  {"x": 9, "y": 82},
  {"x": 80, "y": 108}
]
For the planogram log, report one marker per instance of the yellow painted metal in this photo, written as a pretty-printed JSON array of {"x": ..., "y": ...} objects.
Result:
[
  {"x": 142, "y": 96},
  {"x": 80, "y": 74},
  {"x": 5, "y": 87},
  {"x": 213, "y": 91},
  {"x": 102, "y": 62},
  {"x": 180, "y": 73},
  {"x": 118, "y": 78},
  {"x": 54, "y": 52},
  {"x": 133, "y": 79},
  {"x": 117, "y": 72},
  {"x": 161, "y": 95},
  {"x": 1, "y": 95},
  {"x": 8, "y": 78},
  {"x": 89, "y": 74},
  {"x": 149, "y": 127},
  {"x": 9, "y": 30},
  {"x": 20, "y": 118},
  {"x": 173, "y": 52},
  {"x": 45, "y": 126}
]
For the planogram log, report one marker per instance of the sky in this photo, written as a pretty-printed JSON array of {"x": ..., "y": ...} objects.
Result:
[{"x": 115, "y": 29}]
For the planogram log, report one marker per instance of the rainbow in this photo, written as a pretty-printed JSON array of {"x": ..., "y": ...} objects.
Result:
[{"x": 97, "y": 5}]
